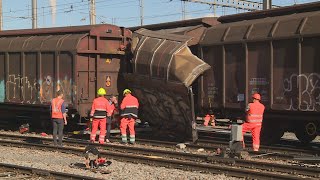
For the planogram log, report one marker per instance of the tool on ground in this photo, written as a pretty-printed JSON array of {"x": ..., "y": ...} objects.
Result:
[
  {"x": 24, "y": 128},
  {"x": 93, "y": 157}
]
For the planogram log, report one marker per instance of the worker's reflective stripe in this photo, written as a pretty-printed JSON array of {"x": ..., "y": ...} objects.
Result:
[
  {"x": 55, "y": 109},
  {"x": 127, "y": 114},
  {"x": 131, "y": 107},
  {"x": 255, "y": 115},
  {"x": 254, "y": 120},
  {"x": 100, "y": 109},
  {"x": 99, "y": 117},
  {"x": 93, "y": 137},
  {"x": 130, "y": 111},
  {"x": 132, "y": 138},
  {"x": 99, "y": 114},
  {"x": 124, "y": 138},
  {"x": 101, "y": 137}
]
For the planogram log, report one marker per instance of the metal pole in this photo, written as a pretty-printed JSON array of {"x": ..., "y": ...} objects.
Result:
[
  {"x": 141, "y": 12},
  {"x": 193, "y": 121},
  {"x": 92, "y": 12},
  {"x": 267, "y": 4},
  {"x": 183, "y": 10},
  {"x": 214, "y": 9},
  {"x": 34, "y": 14},
  {"x": 43, "y": 18},
  {"x": 1, "y": 20}
]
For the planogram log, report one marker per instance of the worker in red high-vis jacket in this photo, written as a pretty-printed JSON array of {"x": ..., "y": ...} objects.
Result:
[
  {"x": 129, "y": 112},
  {"x": 59, "y": 117},
  {"x": 99, "y": 109},
  {"x": 254, "y": 119},
  {"x": 209, "y": 117}
]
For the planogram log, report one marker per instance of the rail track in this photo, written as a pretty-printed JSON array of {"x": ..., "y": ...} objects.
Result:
[
  {"x": 273, "y": 152},
  {"x": 188, "y": 161},
  {"x": 11, "y": 171},
  {"x": 284, "y": 146}
]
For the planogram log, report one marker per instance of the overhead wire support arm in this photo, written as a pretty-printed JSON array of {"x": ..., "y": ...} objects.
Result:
[{"x": 238, "y": 4}]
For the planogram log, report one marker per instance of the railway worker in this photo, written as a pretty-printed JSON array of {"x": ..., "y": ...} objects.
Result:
[
  {"x": 253, "y": 122},
  {"x": 209, "y": 117},
  {"x": 113, "y": 102},
  {"x": 99, "y": 109},
  {"x": 59, "y": 117},
  {"x": 129, "y": 112}
]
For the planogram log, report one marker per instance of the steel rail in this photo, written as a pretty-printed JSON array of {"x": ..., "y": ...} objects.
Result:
[
  {"x": 223, "y": 140},
  {"x": 310, "y": 172},
  {"x": 276, "y": 153},
  {"x": 42, "y": 172},
  {"x": 213, "y": 145}
]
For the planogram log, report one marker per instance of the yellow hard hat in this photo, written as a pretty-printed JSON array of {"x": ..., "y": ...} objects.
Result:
[
  {"x": 126, "y": 91},
  {"x": 102, "y": 92}
]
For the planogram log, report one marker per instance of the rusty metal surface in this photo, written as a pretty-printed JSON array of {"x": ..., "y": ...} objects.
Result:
[
  {"x": 275, "y": 56},
  {"x": 306, "y": 7},
  {"x": 193, "y": 28},
  {"x": 289, "y": 26},
  {"x": 77, "y": 60},
  {"x": 166, "y": 57},
  {"x": 206, "y": 22},
  {"x": 94, "y": 29}
]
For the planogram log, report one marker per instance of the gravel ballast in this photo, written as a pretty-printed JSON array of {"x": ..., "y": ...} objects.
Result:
[{"x": 57, "y": 161}]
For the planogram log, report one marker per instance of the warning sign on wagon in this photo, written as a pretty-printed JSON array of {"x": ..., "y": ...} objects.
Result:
[
  {"x": 108, "y": 81},
  {"x": 108, "y": 61}
]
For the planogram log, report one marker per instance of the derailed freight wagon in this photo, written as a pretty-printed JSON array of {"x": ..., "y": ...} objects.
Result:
[
  {"x": 275, "y": 53},
  {"x": 34, "y": 64},
  {"x": 164, "y": 70}
]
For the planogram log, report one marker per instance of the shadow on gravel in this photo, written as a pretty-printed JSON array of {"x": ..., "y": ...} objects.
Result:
[{"x": 33, "y": 140}]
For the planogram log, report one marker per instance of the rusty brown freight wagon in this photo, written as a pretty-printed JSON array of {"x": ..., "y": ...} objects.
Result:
[
  {"x": 275, "y": 53},
  {"x": 34, "y": 64}
]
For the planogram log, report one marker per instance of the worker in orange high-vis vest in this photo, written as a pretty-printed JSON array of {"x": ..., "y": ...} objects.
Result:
[
  {"x": 59, "y": 117},
  {"x": 254, "y": 119},
  {"x": 129, "y": 113},
  {"x": 99, "y": 110}
]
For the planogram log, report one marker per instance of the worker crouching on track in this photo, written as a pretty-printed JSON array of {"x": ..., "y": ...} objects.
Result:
[
  {"x": 100, "y": 107},
  {"x": 129, "y": 112},
  {"x": 209, "y": 117},
  {"x": 59, "y": 117},
  {"x": 113, "y": 102},
  {"x": 254, "y": 119}
]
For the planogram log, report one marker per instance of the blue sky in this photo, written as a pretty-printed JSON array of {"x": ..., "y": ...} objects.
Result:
[{"x": 17, "y": 13}]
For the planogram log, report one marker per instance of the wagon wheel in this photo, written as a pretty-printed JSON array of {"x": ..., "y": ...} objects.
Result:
[{"x": 306, "y": 132}]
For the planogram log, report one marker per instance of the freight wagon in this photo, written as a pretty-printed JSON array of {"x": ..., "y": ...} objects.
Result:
[
  {"x": 166, "y": 102},
  {"x": 34, "y": 64},
  {"x": 275, "y": 53}
]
